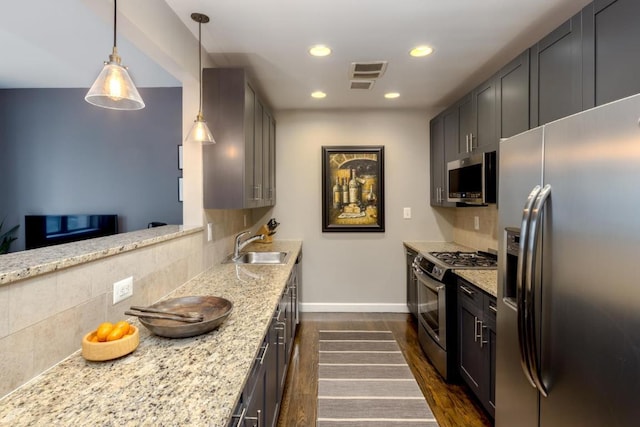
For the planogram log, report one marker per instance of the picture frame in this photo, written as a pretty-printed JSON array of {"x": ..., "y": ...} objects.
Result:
[
  {"x": 180, "y": 157},
  {"x": 180, "y": 192},
  {"x": 353, "y": 189}
]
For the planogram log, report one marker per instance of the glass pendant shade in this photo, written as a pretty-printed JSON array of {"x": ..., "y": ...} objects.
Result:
[
  {"x": 200, "y": 131},
  {"x": 114, "y": 88}
]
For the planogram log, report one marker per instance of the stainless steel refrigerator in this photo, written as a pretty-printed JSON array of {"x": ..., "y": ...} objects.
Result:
[{"x": 568, "y": 322}]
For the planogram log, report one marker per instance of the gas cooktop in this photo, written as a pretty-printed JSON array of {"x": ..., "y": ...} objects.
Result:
[
  {"x": 439, "y": 264},
  {"x": 466, "y": 259}
]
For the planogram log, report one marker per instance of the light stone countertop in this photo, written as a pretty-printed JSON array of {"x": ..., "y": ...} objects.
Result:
[
  {"x": 487, "y": 280},
  {"x": 190, "y": 381},
  {"x": 25, "y": 264}
]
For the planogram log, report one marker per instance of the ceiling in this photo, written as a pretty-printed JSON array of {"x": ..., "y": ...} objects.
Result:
[{"x": 471, "y": 39}]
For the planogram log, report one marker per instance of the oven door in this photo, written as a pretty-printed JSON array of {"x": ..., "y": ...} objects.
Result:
[{"x": 432, "y": 308}]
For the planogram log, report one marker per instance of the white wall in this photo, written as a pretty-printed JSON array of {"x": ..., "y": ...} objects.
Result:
[{"x": 355, "y": 271}]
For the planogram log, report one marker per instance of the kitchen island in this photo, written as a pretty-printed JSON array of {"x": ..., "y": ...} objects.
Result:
[{"x": 191, "y": 381}]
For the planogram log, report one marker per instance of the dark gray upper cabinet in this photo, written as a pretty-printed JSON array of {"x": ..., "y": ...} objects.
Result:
[
  {"x": 611, "y": 50},
  {"x": 238, "y": 170},
  {"x": 443, "y": 147},
  {"x": 466, "y": 128},
  {"x": 477, "y": 120},
  {"x": 436, "y": 156},
  {"x": 451, "y": 118},
  {"x": 484, "y": 100},
  {"x": 556, "y": 73},
  {"x": 512, "y": 97}
]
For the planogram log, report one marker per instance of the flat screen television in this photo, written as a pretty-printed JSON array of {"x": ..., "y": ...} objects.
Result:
[{"x": 48, "y": 230}]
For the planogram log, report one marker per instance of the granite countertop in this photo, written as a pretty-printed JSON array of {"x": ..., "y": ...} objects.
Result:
[
  {"x": 25, "y": 264},
  {"x": 487, "y": 280},
  {"x": 190, "y": 381}
]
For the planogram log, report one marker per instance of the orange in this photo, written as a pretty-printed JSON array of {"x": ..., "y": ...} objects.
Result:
[
  {"x": 94, "y": 338},
  {"x": 124, "y": 325},
  {"x": 103, "y": 331},
  {"x": 132, "y": 329},
  {"x": 115, "y": 334}
]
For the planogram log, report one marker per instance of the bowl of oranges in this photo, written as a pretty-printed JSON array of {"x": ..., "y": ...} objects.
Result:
[{"x": 110, "y": 341}]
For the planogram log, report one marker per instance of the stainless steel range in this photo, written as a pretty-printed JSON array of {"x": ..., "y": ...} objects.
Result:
[{"x": 437, "y": 303}]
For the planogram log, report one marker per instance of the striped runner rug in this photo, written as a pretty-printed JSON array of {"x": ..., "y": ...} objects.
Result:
[{"x": 364, "y": 380}]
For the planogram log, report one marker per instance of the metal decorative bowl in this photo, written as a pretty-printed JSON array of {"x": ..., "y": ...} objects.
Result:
[{"x": 213, "y": 309}]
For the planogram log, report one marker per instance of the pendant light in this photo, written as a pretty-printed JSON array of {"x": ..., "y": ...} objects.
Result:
[
  {"x": 114, "y": 88},
  {"x": 200, "y": 131}
]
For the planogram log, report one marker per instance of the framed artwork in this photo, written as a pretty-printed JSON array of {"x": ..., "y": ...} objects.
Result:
[
  {"x": 180, "y": 194},
  {"x": 353, "y": 188},
  {"x": 180, "y": 157}
]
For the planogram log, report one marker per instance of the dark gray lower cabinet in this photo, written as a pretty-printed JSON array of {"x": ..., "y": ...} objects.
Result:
[
  {"x": 412, "y": 284},
  {"x": 477, "y": 342},
  {"x": 259, "y": 404}
]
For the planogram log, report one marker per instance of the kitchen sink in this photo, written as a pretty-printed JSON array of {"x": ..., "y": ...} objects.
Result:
[{"x": 260, "y": 258}]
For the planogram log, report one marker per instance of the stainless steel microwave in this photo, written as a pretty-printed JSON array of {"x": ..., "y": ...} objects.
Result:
[{"x": 472, "y": 180}]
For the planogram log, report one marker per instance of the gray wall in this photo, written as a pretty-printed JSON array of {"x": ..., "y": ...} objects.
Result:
[
  {"x": 356, "y": 271},
  {"x": 61, "y": 155}
]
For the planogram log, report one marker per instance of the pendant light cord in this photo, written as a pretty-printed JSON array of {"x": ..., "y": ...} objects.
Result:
[
  {"x": 200, "y": 62},
  {"x": 115, "y": 23}
]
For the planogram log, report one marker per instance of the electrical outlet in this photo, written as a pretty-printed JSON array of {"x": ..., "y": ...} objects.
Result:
[
  {"x": 122, "y": 289},
  {"x": 407, "y": 213},
  {"x": 209, "y": 231},
  {"x": 476, "y": 222}
]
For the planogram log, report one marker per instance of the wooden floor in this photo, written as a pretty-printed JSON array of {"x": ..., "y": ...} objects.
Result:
[{"x": 451, "y": 404}]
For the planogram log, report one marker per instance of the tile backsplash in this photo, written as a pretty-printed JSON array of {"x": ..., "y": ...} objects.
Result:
[{"x": 486, "y": 237}]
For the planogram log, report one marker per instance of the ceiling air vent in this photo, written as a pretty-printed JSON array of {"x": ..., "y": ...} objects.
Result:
[
  {"x": 367, "y": 70},
  {"x": 361, "y": 84}
]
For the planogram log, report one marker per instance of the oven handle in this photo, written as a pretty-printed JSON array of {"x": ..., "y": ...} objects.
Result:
[
  {"x": 533, "y": 284},
  {"x": 427, "y": 280},
  {"x": 521, "y": 285}
]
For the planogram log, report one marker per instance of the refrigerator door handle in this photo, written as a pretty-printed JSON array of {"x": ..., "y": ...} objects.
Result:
[
  {"x": 521, "y": 280},
  {"x": 533, "y": 284}
]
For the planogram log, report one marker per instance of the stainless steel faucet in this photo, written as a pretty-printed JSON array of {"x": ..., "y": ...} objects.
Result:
[{"x": 238, "y": 246}]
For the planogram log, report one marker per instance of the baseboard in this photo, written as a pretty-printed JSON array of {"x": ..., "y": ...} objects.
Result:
[{"x": 352, "y": 308}]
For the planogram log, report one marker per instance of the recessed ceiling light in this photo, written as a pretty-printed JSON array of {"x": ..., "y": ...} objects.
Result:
[
  {"x": 419, "y": 51},
  {"x": 318, "y": 94},
  {"x": 391, "y": 95},
  {"x": 320, "y": 50}
]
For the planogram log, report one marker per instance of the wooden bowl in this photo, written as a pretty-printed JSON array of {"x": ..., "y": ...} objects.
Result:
[
  {"x": 214, "y": 311},
  {"x": 100, "y": 351}
]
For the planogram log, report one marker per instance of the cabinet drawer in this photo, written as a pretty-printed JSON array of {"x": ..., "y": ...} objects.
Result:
[
  {"x": 468, "y": 292},
  {"x": 489, "y": 310}
]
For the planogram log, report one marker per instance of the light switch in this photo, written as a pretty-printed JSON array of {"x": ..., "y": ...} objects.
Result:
[{"x": 407, "y": 213}]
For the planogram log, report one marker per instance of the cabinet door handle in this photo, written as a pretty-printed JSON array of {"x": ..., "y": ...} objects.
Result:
[
  {"x": 482, "y": 329},
  {"x": 240, "y": 417},
  {"x": 493, "y": 308},
  {"x": 264, "y": 353},
  {"x": 476, "y": 334},
  {"x": 467, "y": 291},
  {"x": 471, "y": 142},
  {"x": 466, "y": 140},
  {"x": 256, "y": 418}
]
